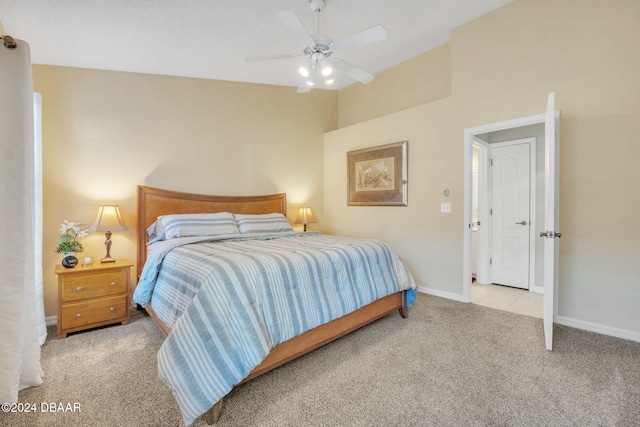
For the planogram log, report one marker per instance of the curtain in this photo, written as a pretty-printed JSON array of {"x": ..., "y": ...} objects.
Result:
[
  {"x": 37, "y": 193},
  {"x": 19, "y": 345}
]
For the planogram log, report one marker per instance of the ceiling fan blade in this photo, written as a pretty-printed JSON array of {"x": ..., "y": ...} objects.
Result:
[
  {"x": 270, "y": 57},
  {"x": 364, "y": 37},
  {"x": 304, "y": 88},
  {"x": 352, "y": 71},
  {"x": 294, "y": 23}
]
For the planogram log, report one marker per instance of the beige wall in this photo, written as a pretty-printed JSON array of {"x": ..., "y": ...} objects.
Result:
[
  {"x": 428, "y": 241},
  {"x": 419, "y": 80},
  {"x": 106, "y": 132},
  {"x": 502, "y": 67}
]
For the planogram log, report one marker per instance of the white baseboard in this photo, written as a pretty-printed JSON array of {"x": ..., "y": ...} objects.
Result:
[
  {"x": 51, "y": 320},
  {"x": 439, "y": 293},
  {"x": 536, "y": 289},
  {"x": 598, "y": 328},
  {"x": 561, "y": 320}
]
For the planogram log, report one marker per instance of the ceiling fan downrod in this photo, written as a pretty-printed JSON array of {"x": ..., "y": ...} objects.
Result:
[
  {"x": 318, "y": 53},
  {"x": 317, "y": 6}
]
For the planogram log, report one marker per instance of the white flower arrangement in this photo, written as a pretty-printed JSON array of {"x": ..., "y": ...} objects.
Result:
[{"x": 70, "y": 234}]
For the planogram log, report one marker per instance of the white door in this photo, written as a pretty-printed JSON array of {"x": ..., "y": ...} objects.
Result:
[
  {"x": 551, "y": 221},
  {"x": 510, "y": 212}
]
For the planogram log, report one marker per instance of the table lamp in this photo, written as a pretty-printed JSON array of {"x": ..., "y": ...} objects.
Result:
[
  {"x": 108, "y": 220},
  {"x": 305, "y": 216}
]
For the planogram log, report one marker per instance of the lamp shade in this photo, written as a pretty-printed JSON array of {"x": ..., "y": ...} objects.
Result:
[
  {"x": 305, "y": 216},
  {"x": 108, "y": 219}
]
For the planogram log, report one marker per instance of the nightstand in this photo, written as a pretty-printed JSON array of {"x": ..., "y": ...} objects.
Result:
[{"x": 94, "y": 295}]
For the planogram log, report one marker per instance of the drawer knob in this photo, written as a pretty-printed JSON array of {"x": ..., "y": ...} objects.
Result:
[
  {"x": 79, "y": 288},
  {"x": 112, "y": 309},
  {"x": 79, "y": 315},
  {"x": 113, "y": 283}
]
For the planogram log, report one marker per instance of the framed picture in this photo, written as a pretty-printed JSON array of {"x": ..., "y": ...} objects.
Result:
[{"x": 377, "y": 176}]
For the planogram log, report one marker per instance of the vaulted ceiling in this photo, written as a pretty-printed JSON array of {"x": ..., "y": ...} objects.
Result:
[{"x": 211, "y": 38}]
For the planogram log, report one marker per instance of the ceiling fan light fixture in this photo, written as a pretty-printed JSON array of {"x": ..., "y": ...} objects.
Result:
[
  {"x": 311, "y": 78},
  {"x": 329, "y": 80},
  {"x": 327, "y": 70},
  {"x": 304, "y": 71}
]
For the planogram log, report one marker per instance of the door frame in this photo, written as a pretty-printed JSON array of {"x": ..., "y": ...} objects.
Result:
[
  {"x": 469, "y": 140},
  {"x": 484, "y": 201}
]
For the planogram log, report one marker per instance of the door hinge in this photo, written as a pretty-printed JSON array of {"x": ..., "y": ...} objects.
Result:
[
  {"x": 491, "y": 162},
  {"x": 490, "y": 211},
  {"x": 490, "y": 261}
]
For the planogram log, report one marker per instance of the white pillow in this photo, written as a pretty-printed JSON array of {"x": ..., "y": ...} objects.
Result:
[
  {"x": 205, "y": 224},
  {"x": 155, "y": 232},
  {"x": 262, "y": 223}
]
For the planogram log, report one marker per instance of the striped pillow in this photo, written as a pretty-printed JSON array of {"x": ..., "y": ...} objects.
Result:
[
  {"x": 205, "y": 224},
  {"x": 155, "y": 232},
  {"x": 262, "y": 223}
]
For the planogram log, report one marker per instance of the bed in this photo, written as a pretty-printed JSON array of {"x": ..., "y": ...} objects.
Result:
[{"x": 296, "y": 338}]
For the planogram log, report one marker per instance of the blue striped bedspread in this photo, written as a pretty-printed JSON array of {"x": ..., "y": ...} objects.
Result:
[{"x": 229, "y": 302}]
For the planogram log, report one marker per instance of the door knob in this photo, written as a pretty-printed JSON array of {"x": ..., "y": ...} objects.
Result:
[
  {"x": 522, "y": 223},
  {"x": 551, "y": 234}
]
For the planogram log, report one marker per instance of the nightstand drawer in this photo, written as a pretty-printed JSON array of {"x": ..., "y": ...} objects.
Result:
[
  {"x": 93, "y": 295},
  {"x": 77, "y": 287},
  {"x": 94, "y": 311}
]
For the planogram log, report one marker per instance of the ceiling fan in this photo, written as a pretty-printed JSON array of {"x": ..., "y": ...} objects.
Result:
[{"x": 318, "y": 49}]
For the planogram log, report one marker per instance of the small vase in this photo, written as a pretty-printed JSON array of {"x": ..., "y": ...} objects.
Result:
[{"x": 69, "y": 260}]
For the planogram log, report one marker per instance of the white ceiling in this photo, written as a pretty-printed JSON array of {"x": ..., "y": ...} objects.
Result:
[{"x": 210, "y": 38}]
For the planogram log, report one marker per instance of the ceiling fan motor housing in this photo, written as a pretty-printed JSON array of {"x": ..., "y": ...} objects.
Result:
[{"x": 321, "y": 47}]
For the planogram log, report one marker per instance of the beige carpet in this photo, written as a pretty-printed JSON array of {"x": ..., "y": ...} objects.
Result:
[{"x": 449, "y": 364}]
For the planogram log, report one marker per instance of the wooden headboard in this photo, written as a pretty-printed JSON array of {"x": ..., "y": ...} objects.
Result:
[{"x": 153, "y": 202}]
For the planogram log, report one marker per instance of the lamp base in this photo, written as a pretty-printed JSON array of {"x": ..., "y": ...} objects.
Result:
[{"x": 107, "y": 244}]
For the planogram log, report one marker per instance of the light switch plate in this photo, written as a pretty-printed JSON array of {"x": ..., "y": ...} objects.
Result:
[{"x": 445, "y": 208}]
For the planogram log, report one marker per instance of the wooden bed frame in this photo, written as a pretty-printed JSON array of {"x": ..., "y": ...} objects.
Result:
[{"x": 153, "y": 202}]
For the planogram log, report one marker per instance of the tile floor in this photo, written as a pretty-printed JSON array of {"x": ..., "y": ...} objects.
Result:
[{"x": 519, "y": 301}]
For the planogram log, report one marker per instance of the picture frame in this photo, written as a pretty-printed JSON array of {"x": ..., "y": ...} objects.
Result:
[{"x": 377, "y": 176}]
